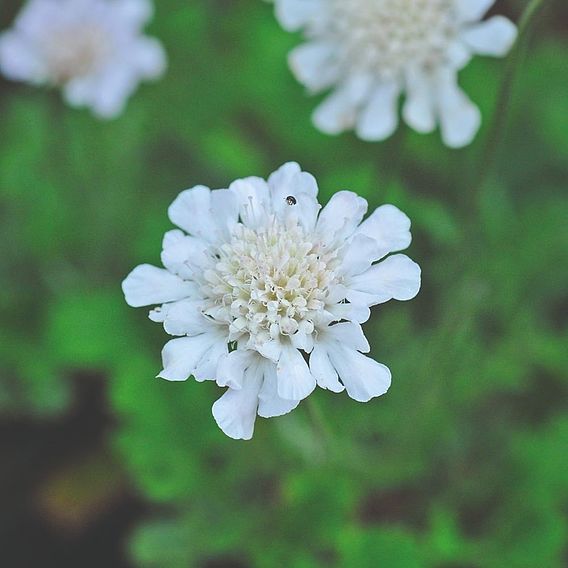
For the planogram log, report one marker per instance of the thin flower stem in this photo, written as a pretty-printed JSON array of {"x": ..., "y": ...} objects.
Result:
[
  {"x": 502, "y": 106},
  {"x": 320, "y": 424}
]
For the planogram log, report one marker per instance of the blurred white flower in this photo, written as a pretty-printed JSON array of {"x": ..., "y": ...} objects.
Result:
[
  {"x": 93, "y": 50},
  {"x": 268, "y": 293},
  {"x": 370, "y": 52}
]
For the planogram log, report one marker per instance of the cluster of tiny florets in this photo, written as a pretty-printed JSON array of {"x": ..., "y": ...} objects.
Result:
[
  {"x": 269, "y": 282},
  {"x": 385, "y": 36},
  {"x": 75, "y": 51}
]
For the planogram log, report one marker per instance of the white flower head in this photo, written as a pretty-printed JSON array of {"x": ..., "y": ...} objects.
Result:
[
  {"x": 93, "y": 50},
  {"x": 370, "y": 52},
  {"x": 267, "y": 292}
]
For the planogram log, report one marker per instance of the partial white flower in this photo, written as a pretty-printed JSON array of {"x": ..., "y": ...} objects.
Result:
[
  {"x": 370, "y": 52},
  {"x": 93, "y": 50},
  {"x": 267, "y": 293}
]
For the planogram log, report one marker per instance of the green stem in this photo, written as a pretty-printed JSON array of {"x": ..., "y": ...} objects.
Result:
[
  {"x": 320, "y": 424},
  {"x": 502, "y": 106}
]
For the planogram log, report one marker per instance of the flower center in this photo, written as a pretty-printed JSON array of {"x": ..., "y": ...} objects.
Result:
[
  {"x": 75, "y": 51},
  {"x": 269, "y": 282},
  {"x": 386, "y": 36}
]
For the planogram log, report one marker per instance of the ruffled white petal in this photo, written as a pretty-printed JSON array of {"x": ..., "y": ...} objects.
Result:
[
  {"x": 493, "y": 37},
  {"x": 418, "y": 109},
  {"x": 134, "y": 13},
  {"x": 350, "y": 335},
  {"x": 290, "y": 180},
  {"x": 282, "y": 178},
  {"x": 148, "y": 57},
  {"x": 183, "y": 255},
  {"x": 359, "y": 254},
  {"x": 185, "y": 318},
  {"x": 397, "y": 277},
  {"x": 294, "y": 14},
  {"x": 203, "y": 213},
  {"x": 338, "y": 112},
  {"x": 340, "y": 217},
  {"x": 389, "y": 227},
  {"x": 106, "y": 93},
  {"x": 379, "y": 117},
  {"x": 314, "y": 65},
  {"x": 232, "y": 367},
  {"x": 180, "y": 357},
  {"x": 235, "y": 411},
  {"x": 270, "y": 403},
  {"x": 206, "y": 368},
  {"x": 460, "y": 119},
  {"x": 458, "y": 55},
  {"x": 147, "y": 285},
  {"x": 303, "y": 188},
  {"x": 253, "y": 200},
  {"x": 359, "y": 313},
  {"x": 20, "y": 60},
  {"x": 363, "y": 377},
  {"x": 295, "y": 382},
  {"x": 323, "y": 371}
]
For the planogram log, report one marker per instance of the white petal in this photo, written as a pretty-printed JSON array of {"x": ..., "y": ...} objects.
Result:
[
  {"x": 271, "y": 349},
  {"x": 418, "y": 109},
  {"x": 224, "y": 211},
  {"x": 359, "y": 254},
  {"x": 181, "y": 356},
  {"x": 363, "y": 377},
  {"x": 472, "y": 10},
  {"x": 253, "y": 200},
  {"x": 185, "y": 318},
  {"x": 133, "y": 13},
  {"x": 396, "y": 277},
  {"x": 235, "y": 411},
  {"x": 379, "y": 117},
  {"x": 295, "y": 381},
  {"x": 290, "y": 181},
  {"x": 148, "y": 57},
  {"x": 206, "y": 368},
  {"x": 232, "y": 367},
  {"x": 110, "y": 91},
  {"x": 340, "y": 217},
  {"x": 282, "y": 177},
  {"x": 182, "y": 254},
  {"x": 458, "y": 55},
  {"x": 204, "y": 215},
  {"x": 20, "y": 60},
  {"x": 389, "y": 227},
  {"x": 339, "y": 110},
  {"x": 313, "y": 65},
  {"x": 293, "y": 14},
  {"x": 147, "y": 285},
  {"x": 493, "y": 37},
  {"x": 323, "y": 371},
  {"x": 80, "y": 91},
  {"x": 303, "y": 341},
  {"x": 460, "y": 119},
  {"x": 350, "y": 335},
  {"x": 359, "y": 313},
  {"x": 270, "y": 402}
]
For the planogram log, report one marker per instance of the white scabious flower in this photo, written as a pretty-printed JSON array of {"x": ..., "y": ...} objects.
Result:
[
  {"x": 267, "y": 293},
  {"x": 93, "y": 50},
  {"x": 370, "y": 52}
]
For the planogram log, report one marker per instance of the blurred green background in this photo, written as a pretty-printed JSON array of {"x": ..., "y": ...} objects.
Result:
[{"x": 462, "y": 465}]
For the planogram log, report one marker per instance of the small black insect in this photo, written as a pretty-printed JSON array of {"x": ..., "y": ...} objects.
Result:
[{"x": 291, "y": 200}]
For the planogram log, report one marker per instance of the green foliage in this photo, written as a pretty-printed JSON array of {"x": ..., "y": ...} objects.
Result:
[{"x": 461, "y": 464}]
